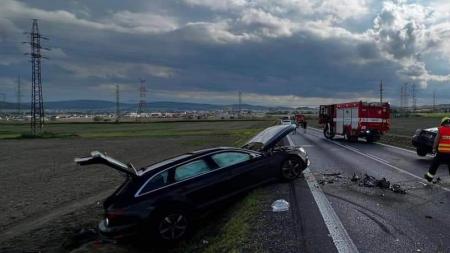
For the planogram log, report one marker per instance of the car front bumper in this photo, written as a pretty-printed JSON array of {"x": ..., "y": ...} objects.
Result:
[{"x": 116, "y": 232}]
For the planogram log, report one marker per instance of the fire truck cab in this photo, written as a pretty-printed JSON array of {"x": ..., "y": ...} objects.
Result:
[
  {"x": 354, "y": 120},
  {"x": 299, "y": 119}
]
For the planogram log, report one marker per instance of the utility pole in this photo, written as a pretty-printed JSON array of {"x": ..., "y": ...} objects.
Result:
[
  {"x": 402, "y": 98},
  {"x": 19, "y": 95},
  {"x": 2, "y": 101},
  {"x": 406, "y": 90},
  {"x": 434, "y": 100},
  {"x": 37, "y": 102},
  {"x": 142, "y": 102},
  {"x": 239, "y": 103},
  {"x": 381, "y": 91},
  {"x": 414, "y": 97},
  {"x": 117, "y": 103}
]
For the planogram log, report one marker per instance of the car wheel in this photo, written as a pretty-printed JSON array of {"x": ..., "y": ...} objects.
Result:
[
  {"x": 291, "y": 168},
  {"x": 172, "y": 226},
  {"x": 421, "y": 151},
  {"x": 328, "y": 132}
]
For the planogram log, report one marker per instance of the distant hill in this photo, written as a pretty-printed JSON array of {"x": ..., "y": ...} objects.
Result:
[{"x": 100, "y": 105}]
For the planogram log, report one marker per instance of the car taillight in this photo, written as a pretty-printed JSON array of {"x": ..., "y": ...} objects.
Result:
[
  {"x": 119, "y": 217},
  {"x": 115, "y": 217}
]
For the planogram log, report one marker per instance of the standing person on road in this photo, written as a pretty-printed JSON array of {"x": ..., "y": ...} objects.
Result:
[
  {"x": 305, "y": 124},
  {"x": 441, "y": 147}
]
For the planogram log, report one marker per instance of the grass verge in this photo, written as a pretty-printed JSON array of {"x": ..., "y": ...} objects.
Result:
[
  {"x": 231, "y": 232},
  {"x": 152, "y": 129}
]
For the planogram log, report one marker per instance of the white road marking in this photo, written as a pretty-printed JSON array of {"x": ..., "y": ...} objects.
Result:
[
  {"x": 341, "y": 239},
  {"x": 375, "y": 158},
  {"x": 404, "y": 149},
  {"x": 383, "y": 144},
  {"x": 399, "y": 148}
]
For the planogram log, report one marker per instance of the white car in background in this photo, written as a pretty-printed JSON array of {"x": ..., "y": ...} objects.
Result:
[{"x": 285, "y": 121}]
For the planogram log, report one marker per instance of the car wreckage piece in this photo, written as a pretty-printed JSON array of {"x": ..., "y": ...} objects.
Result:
[
  {"x": 423, "y": 140},
  {"x": 161, "y": 201}
]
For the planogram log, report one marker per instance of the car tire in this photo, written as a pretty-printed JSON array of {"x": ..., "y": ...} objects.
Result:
[
  {"x": 171, "y": 225},
  {"x": 328, "y": 132},
  {"x": 291, "y": 168},
  {"x": 421, "y": 151}
]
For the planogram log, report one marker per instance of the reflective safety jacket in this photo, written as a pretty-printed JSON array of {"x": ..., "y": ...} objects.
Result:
[{"x": 444, "y": 140}]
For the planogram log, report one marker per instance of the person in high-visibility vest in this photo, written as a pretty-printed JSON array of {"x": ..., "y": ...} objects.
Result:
[{"x": 441, "y": 147}]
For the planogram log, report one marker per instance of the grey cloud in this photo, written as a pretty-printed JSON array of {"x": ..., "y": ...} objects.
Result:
[{"x": 283, "y": 51}]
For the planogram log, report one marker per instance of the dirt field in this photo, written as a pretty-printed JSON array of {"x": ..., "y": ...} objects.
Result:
[{"x": 46, "y": 199}]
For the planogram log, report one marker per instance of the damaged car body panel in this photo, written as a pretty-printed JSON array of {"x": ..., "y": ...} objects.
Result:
[
  {"x": 423, "y": 140},
  {"x": 164, "y": 199}
]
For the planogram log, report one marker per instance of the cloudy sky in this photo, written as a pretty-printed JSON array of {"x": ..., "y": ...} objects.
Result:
[{"x": 277, "y": 52}]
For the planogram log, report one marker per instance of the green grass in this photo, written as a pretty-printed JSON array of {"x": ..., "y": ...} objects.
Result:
[
  {"x": 231, "y": 232},
  {"x": 242, "y": 129}
]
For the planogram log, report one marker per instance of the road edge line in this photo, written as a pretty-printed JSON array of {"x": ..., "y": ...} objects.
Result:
[
  {"x": 341, "y": 239},
  {"x": 383, "y": 144}
]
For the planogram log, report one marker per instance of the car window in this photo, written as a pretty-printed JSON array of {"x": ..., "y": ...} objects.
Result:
[
  {"x": 191, "y": 169},
  {"x": 156, "y": 182},
  {"x": 229, "y": 158}
]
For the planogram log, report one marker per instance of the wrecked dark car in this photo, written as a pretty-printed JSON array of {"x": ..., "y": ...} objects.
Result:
[
  {"x": 423, "y": 140},
  {"x": 163, "y": 200}
]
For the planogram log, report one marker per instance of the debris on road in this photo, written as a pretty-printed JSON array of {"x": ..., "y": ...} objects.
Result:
[
  {"x": 370, "y": 181},
  {"x": 365, "y": 181},
  {"x": 438, "y": 180},
  {"x": 332, "y": 174},
  {"x": 398, "y": 189},
  {"x": 355, "y": 177},
  {"x": 329, "y": 178},
  {"x": 280, "y": 205}
]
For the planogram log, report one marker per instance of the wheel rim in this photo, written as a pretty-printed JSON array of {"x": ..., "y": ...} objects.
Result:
[
  {"x": 173, "y": 226},
  {"x": 290, "y": 169}
]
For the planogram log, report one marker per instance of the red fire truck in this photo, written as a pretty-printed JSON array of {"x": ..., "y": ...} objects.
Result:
[
  {"x": 355, "y": 119},
  {"x": 299, "y": 119}
]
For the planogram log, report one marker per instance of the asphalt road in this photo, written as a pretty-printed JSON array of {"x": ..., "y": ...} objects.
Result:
[{"x": 342, "y": 216}]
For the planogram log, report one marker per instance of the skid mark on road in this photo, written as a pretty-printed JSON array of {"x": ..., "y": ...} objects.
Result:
[{"x": 340, "y": 236}]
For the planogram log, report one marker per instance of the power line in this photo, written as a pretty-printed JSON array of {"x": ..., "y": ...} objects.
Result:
[{"x": 37, "y": 102}]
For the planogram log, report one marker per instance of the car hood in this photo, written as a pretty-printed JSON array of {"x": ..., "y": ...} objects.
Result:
[{"x": 269, "y": 137}]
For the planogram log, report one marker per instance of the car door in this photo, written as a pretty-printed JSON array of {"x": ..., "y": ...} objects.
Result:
[
  {"x": 247, "y": 169},
  {"x": 199, "y": 181}
]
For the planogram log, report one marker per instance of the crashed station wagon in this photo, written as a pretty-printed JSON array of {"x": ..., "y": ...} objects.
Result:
[{"x": 163, "y": 200}]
